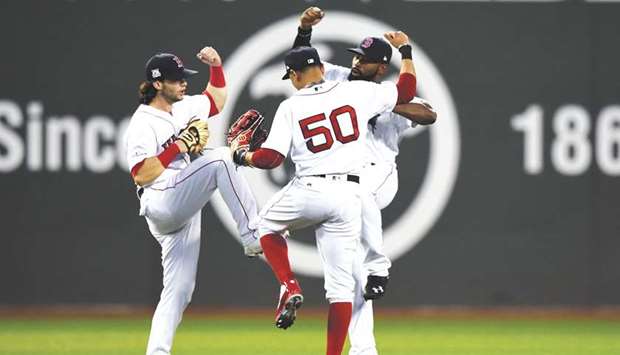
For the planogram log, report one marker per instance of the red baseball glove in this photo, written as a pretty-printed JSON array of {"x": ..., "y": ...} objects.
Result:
[{"x": 247, "y": 133}]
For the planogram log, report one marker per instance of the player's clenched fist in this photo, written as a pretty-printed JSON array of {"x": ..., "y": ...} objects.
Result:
[
  {"x": 209, "y": 55},
  {"x": 396, "y": 38},
  {"x": 310, "y": 17}
]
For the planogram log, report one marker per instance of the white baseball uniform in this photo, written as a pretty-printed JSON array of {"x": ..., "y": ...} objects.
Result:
[
  {"x": 380, "y": 182},
  {"x": 324, "y": 127},
  {"x": 172, "y": 205}
]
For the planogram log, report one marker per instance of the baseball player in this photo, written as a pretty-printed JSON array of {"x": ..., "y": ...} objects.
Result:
[
  {"x": 323, "y": 127},
  {"x": 168, "y": 125},
  {"x": 379, "y": 176}
]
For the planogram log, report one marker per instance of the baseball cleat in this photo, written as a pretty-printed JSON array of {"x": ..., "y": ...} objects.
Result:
[
  {"x": 291, "y": 300},
  {"x": 375, "y": 287},
  {"x": 252, "y": 249}
]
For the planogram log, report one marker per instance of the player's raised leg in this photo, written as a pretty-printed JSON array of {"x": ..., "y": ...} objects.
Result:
[
  {"x": 192, "y": 188},
  {"x": 179, "y": 253},
  {"x": 237, "y": 195}
]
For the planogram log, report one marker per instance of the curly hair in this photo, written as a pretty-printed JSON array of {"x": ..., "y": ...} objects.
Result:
[{"x": 147, "y": 92}]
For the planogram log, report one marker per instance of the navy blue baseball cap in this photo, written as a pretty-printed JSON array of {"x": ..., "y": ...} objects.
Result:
[
  {"x": 374, "y": 50},
  {"x": 299, "y": 58},
  {"x": 166, "y": 66}
]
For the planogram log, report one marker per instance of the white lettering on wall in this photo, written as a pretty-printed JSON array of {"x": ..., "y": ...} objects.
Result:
[
  {"x": 59, "y": 143},
  {"x": 11, "y": 142}
]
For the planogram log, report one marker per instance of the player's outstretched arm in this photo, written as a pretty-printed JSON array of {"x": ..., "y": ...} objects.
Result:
[
  {"x": 263, "y": 158},
  {"x": 406, "y": 84},
  {"x": 400, "y": 40},
  {"x": 310, "y": 17},
  {"x": 420, "y": 113},
  {"x": 217, "y": 83}
]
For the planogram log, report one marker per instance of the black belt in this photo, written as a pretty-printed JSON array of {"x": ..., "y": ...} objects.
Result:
[{"x": 352, "y": 178}]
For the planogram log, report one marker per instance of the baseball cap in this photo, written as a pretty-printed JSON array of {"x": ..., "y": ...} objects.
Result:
[
  {"x": 166, "y": 66},
  {"x": 299, "y": 58},
  {"x": 374, "y": 49}
]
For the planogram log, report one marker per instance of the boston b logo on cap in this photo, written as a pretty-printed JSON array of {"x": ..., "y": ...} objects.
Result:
[
  {"x": 367, "y": 42},
  {"x": 166, "y": 66},
  {"x": 374, "y": 50}
]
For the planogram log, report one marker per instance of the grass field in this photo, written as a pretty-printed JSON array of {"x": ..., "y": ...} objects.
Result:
[{"x": 256, "y": 335}]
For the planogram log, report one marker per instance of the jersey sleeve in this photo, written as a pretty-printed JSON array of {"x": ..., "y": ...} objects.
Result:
[
  {"x": 335, "y": 72},
  {"x": 281, "y": 134},
  {"x": 383, "y": 97},
  {"x": 401, "y": 122},
  {"x": 192, "y": 107},
  {"x": 141, "y": 143}
]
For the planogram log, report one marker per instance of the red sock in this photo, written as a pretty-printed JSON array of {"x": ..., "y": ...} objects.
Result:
[
  {"x": 337, "y": 326},
  {"x": 276, "y": 252}
]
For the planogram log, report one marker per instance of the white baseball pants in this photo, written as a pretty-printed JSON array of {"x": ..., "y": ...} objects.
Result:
[
  {"x": 380, "y": 181},
  {"x": 173, "y": 213},
  {"x": 333, "y": 206}
]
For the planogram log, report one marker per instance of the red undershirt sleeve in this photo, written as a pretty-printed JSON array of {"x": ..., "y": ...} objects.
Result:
[
  {"x": 213, "y": 110},
  {"x": 265, "y": 158},
  {"x": 406, "y": 87}
]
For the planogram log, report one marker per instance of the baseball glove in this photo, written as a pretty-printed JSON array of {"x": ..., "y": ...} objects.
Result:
[
  {"x": 195, "y": 136},
  {"x": 247, "y": 133}
]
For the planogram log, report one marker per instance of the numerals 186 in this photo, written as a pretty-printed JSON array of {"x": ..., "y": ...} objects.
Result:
[{"x": 572, "y": 150}]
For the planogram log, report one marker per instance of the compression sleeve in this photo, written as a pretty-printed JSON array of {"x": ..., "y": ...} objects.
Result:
[
  {"x": 406, "y": 87},
  {"x": 303, "y": 38},
  {"x": 265, "y": 158}
]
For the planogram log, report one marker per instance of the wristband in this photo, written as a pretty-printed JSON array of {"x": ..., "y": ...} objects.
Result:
[
  {"x": 168, "y": 155},
  {"x": 239, "y": 157},
  {"x": 303, "y": 32},
  {"x": 405, "y": 51},
  {"x": 217, "y": 77}
]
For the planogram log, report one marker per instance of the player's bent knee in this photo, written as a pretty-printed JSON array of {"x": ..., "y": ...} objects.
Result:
[
  {"x": 340, "y": 294},
  {"x": 265, "y": 228},
  {"x": 339, "y": 299},
  {"x": 339, "y": 290}
]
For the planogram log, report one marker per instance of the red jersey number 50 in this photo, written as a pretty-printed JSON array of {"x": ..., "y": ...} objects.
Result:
[{"x": 324, "y": 131}]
